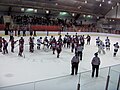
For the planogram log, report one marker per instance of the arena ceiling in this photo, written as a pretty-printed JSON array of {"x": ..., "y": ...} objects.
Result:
[{"x": 95, "y": 7}]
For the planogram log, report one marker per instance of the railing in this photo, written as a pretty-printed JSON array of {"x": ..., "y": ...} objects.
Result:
[{"x": 108, "y": 79}]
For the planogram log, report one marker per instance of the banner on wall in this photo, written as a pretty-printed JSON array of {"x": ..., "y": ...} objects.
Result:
[{"x": 7, "y": 19}]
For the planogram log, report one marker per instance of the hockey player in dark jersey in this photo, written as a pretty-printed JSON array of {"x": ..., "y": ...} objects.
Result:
[
  {"x": 0, "y": 44},
  {"x": 53, "y": 45},
  {"x": 68, "y": 41},
  {"x": 64, "y": 41},
  {"x": 12, "y": 44},
  {"x": 59, "y": 49},
  {"x": 21, "y": 46},
  {"x": 45, "y": 43},
  {"x": 72, "y": 44},
  {"x": 31, "y": 43},
  {"x": 88, "y": 39},
  {"x": 5, "y": 45},
  {"x": 82, "y": 41}
]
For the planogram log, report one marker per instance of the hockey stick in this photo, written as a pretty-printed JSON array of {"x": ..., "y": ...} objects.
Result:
[
  {"x": 78, "y": 86},
  {"x": 23, "y": 55}
]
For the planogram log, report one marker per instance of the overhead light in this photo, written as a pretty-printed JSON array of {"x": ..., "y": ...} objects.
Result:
[
  {"x": 110, "y": 19},
  {"x": 29, "y": 10},
  {"x": 35, "y": 10},
  {"x": 118, "y": 4},
  {"x": 75, "y": 1},
  {"x": 86, "y": 1},
  {"x": 63, "y": 13},
  {"x": 84, "y": 15},
  {"x": 113, "y": 20},
  {"x": 109, "y": 2},
  {"x": 22, "y": 9},
  {"x": 56, "y": 4},
  {"x": 47, "y": 11},
  {"x": 103, "y": 0},
  {"x": 73, "y": 14},
  {"x": 98, "y": 0},
  {"x": 100, "y": 5},
  {"x": 88, "y": 15},
  {"x": 98, "y": 17}
]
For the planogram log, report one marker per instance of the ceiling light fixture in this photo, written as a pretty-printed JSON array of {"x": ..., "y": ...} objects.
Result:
[
  {"x": 73, "y": 14},
  {"x": 103, "y": 0},
  {"x": 100, "y": 5},
  {"x": 22, "y": 9},
  {"x": 98, "y": 17},
  {"x": 118, "y": 4},
  {"x": 35, "y": 10},
  {"x": 84, "y": 15},
  {"x": 109, "y": 2},
  {"x": 47, "y": 11},
  {"x": 56, "y": 4},
  {"x": 86, "y": 2}
]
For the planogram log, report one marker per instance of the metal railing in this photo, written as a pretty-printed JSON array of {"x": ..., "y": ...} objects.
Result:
[{"x": 108, "y": 79}]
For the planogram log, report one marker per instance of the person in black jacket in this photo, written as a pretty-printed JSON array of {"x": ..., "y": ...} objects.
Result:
[
  {"x": 75, "y": 63},
  {"x": 95, "y": 64}
]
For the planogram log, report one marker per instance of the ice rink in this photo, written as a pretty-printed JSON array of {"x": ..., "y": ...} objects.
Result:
[{"x": 43, "y": 64}]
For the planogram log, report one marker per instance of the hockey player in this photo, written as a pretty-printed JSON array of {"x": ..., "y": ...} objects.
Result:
[
  {"x": 31, "y": 43},
  {"x": 21, "y": 46},
  {"x": 0, "y": 44},
  {"x": 53, "y": 45},
  {"x": 82, "y": 41},
  {"x": 50, "y": 40},
  {"x": 60, "y": 39},
  {"x": 11, "y": 35},
  {"x": 80, "y": 50},
  {"x": 59, "y": 49},
  {"x": 45, "y": 43},
  {"x": 107, "y": 42},
  {"x": 68, "y": 41},
  {"x": 101, "y": 47},
  {"x": 116, "y": 47},
  {"x": 64, "y": 41},
  {"x": 97, "y": 41},
  {"x": 39, "y": 42},
  {"x": 88, "y": 39},
  {"x": 72, "y": 44},
  {"x": 12, "y": 44},
  {"x": 5, "y": 45},
  {"x": 76, "y": 40}
]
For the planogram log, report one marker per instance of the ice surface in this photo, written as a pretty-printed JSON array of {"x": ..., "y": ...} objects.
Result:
[{"x": 42, "y": 65}]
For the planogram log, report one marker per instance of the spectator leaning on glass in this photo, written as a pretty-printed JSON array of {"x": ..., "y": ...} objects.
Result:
[
  {"x": 95, "y": 64},
  {"x": 74, "y": 63}
]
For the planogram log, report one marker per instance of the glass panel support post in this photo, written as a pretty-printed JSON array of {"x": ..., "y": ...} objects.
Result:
[
  {"x": 108, "y": 79},
  {"x": 118, "y": 86}
]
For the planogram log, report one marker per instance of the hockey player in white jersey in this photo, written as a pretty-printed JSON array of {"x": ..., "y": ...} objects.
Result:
[
  {"x": 107, "y": 43},
  {"x": 101, "y": 47},
  {"x": 39, "y": 42},
  {"x": 97, "y": 41},
  {"x": 116, "y": 47}
]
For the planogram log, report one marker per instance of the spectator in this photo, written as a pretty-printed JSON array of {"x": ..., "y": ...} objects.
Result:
[
  {"x": 75, "y": 62},
  {"x": 95, "y": 64}
]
